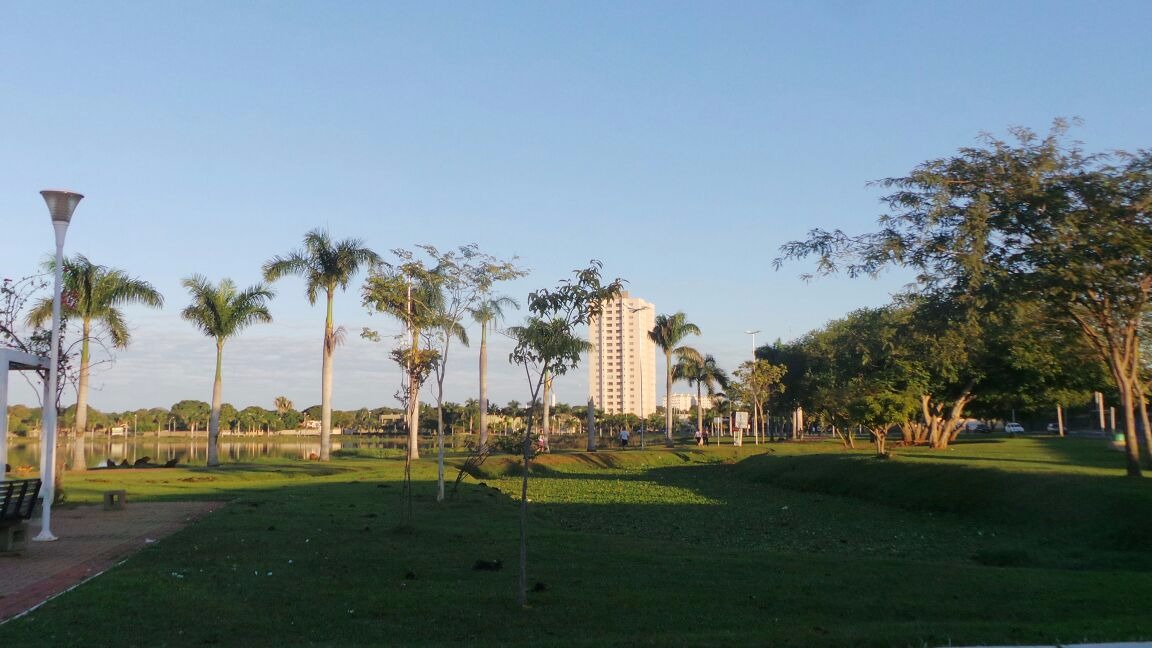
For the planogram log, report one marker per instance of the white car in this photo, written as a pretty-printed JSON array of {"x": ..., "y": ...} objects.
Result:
[{"x": 1013, "y": 428}]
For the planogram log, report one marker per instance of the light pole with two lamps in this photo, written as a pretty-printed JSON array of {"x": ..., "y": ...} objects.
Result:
[
  {"x": 61, "y": 205},
  {"x": 755, "y": 418},
  {"x": 640, "y": 354}
]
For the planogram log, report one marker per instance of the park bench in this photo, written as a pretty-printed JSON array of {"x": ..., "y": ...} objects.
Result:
[{"x": 17, "y": 501}]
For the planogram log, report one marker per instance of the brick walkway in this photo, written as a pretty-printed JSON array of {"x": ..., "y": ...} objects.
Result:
[{"x": 90, "y": 541}]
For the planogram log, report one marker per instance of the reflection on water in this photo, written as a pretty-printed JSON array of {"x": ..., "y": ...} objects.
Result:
[{"x": 98, "y": 451}]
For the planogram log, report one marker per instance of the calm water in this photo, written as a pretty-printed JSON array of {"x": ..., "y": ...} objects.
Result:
[{"x": 26, "y": 452}]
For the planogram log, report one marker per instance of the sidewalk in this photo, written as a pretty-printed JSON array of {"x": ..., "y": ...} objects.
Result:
[{"x": 90, "y": 541}]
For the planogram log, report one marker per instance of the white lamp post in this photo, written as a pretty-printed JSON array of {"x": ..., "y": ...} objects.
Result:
[
  {"x": 753, "y": 334},
  {"x": 61, "y": 204},
  {"x": 640, "y": 354}
]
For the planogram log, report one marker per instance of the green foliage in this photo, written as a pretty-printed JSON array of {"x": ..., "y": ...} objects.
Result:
[
  {"x": 548, "y": 341},
  {"x": 1034, "y": 220},
  {"x": 324, "y": 264},
  {"x": 222, "y": 311}
]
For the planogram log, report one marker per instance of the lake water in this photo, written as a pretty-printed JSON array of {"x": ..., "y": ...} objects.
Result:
[{"x": 98, "y": 450}]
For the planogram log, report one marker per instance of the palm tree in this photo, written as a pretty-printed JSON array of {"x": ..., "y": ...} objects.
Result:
[
  {"x": 324, "y": 265},
  {"x": 93, "y": 294},
  {"x": 221, "y": 312},
  {"x": 668, "y": 332},
  {"x": 702, "y": 373},
  {"x": 283, "y": 404},
  {"x": 487, "y": 313}
]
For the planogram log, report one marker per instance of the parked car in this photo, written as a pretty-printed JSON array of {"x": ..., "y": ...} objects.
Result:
[
  {"x": 1013, "y": 428},
  {"x": 977, "y": 426},
  {"x": 1053, "y": 428}
]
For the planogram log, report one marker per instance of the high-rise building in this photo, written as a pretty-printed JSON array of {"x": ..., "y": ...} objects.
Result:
[
  {"x": 687, "y": 402},
  {"x": 622, "y": 362}
]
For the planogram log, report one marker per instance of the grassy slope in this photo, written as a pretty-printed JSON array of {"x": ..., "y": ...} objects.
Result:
[{"x": 1019, "y": 541}]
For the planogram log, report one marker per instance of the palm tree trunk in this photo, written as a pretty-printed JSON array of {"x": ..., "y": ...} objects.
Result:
[
  {"x": 214, "y": 420},
  {"x": 590, "y": 424},
  {"x": 78, "y": 449},
  {"x": 326, "y": 386},
  {"x": 668, "y": 399},
  {"x": 483, "y": 385},
  {"x": 699, "y": 410}
]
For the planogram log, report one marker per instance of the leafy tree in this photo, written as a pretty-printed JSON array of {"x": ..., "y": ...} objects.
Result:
[
  {"x": 410, "y": 292},
  {"x": 221, "y": 312},
  {"x": 703, "y": 373},
  {"x": 668, "y": 333},
  {"x": 466, "y": 277},
  {"x": 1035, "y": 217},
  {"x": 325, "y": 266},
  {"x": 547, "y": 345},
  {"x": 252, "y": 417},
  {"x": 93, "y": 294},
  {"x": 189, "y": 413},
  {"x": 756, "y": 383}
]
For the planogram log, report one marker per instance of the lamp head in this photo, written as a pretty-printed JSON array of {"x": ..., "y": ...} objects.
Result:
[{"x": 61, "y": 204}]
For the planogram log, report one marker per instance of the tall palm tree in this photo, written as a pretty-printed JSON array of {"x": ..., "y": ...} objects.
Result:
[
  {"x": 668, "y": 332},
  {"x": 93, "y": 294},
  {"x": 283, "y": 404},
  {"x": 325, "y": 265},
  {"x": 704, "y": 373},
  {"x": 221, "y": 312},
  {"x": 487, "y": 314}
]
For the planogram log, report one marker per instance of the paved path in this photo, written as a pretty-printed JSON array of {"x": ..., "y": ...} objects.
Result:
[{"x": 90, "y": 541}]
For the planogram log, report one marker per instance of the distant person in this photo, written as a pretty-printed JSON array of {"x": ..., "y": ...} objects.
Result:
[
  {"x": 704, "y": 437},
  {"x": 624, "y": 434},
  {"x": 699, "y": 437}
]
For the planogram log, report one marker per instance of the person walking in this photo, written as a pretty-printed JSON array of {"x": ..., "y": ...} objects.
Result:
[{"x": 624, "y": 434}]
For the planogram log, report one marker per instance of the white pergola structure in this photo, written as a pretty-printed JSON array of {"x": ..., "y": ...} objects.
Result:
[{"x": 14, "y": 360}]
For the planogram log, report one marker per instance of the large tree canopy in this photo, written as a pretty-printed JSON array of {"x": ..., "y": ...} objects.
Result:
[{"x": 1032, "y": 219}]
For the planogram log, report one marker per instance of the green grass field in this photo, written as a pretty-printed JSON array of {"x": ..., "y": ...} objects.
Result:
[{"x": 1003, "y": 541}]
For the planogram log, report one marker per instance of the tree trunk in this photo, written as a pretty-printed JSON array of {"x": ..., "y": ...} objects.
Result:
[
  {"x": 668, "y": 399},
  {"x": 699, "y": 410},
  {"x": 526, "y": 453},
  {"x": 590, "y": 423},
  {"x": 483, "y": 386},
  {"x": 78, "y": 449},
  {"x": 1131, "y": 442},
  {"x": 214, "y": 419},
  {"x": 1144, "y": 420},
  {"x": 439, "y": 446},
  {"x": 545, "y": 419},
  {"x": 414, "y": 401},
  {"x": 326, "y": 386}
]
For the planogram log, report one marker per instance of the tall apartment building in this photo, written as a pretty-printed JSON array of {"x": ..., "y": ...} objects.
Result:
[
  {"x": 622, "y": 362},
  {"x": 687, "y": 402}
]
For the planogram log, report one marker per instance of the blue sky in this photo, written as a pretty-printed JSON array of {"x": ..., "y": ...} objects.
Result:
[{"x": 679, "y": 142}]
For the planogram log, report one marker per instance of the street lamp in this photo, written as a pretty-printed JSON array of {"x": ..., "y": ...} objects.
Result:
[
  {"x": 755, "y": 419},
  {"x": 640, "y": 361},
  {"x": 61, "y": 204},
  {"x": 753, "y": 334}
]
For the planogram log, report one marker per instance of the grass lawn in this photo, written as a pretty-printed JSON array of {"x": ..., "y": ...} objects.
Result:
[{"x": 1001, "y": 541}]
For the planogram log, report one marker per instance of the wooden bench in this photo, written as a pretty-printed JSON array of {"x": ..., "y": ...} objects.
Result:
[{"x": 17, "y": 501}]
